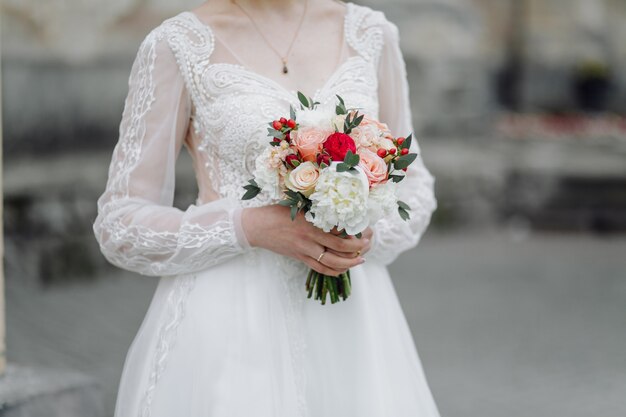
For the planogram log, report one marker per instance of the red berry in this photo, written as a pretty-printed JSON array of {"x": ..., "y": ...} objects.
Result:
[
  {"x": 277, "y": 140},
  {"x": 404, "y": 151},
  {"x": 381, "y": 152},
  {"x": 277, "y": 125},
  {"x": 404, "y": 169},
  {"x": 323, "y": 158},
  {"x": 393, "y": 151},
  {"x": 400, "y": 141},
  {"x": 289, "y": 160},
  {"x": 283, "y": 120},
  {"x": 288, "y": 136},
  {"x": 291, "y": 123}
]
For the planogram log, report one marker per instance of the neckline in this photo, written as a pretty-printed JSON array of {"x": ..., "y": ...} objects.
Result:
[{"x": 292, "y": 94}]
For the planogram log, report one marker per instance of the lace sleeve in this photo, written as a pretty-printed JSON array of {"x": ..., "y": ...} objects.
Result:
[
  {"x": 137, "y": 227},
  {"x": 393, "y": 235}
]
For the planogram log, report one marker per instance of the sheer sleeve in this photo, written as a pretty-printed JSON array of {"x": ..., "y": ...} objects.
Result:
[
  {"x": 137, "y": 227},
  {"x": 392, "y": 235}
]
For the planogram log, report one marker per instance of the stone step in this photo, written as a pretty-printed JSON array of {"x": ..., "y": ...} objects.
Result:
[{"x": 40, "y": 392}]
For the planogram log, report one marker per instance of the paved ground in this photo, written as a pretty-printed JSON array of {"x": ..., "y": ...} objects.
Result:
[{"x": 506, "y": 326}]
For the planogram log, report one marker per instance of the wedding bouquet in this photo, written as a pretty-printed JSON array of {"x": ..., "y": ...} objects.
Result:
[{"x": 340, "y": 168}]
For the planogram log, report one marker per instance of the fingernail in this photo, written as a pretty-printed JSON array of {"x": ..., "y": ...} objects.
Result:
[{"x": 361, "y": 261}]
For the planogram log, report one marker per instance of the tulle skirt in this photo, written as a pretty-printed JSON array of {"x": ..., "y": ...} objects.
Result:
[{"x": 241, "y": 339}]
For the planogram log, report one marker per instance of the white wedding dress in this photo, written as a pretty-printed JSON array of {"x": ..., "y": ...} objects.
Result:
[{"x": 230, "y": 332}]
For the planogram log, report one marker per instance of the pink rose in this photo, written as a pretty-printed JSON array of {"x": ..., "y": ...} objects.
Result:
[
  {"x": 308, "y": 141},
  {"x": 382, "y": 127},
  {"x": 374, "y": 166}
]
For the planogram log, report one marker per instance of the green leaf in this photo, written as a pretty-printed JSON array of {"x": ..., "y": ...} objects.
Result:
[
  {"x": 407, "y": 142},
  {"x": 295, "y": 163},
  {"x": 294, "y": 212},
  {"x": 251, "y": 193},
  {"x": 285, "y": 203},
  {"x": 272, "y": 143},
  {"x": 396, "y": 178},
  {"x": 292, "y": 112},
  {"x": 343, "y": 167},
  {"x": 404, "y": 161},
  {"x": 343, "y": 103},
  {"x": 404, "y": 214},
  {"x": 275, "y": 133},
  {"x": 359, "y": 235},
  {"x": 252, "y": 190},
  {"x": 358, "y": 120},
  {"x": 303, "y": 100},
  {"x": 351, "y": 159},
  {"x": 323, "y": 165},
  {"x": 295, "y": 196},
  {"x": 404, "y": 205}
]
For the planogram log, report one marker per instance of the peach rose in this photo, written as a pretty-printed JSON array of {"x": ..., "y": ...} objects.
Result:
[
  {"x": 382, "y": 127},
  {"x": 308, "y": 141},
  {"x": 374, "y": 166},
  {"x": 365, "y": 136},
  {"x": 303, "y": 179}
]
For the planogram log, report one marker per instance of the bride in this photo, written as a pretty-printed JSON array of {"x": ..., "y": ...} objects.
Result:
[{"x": 229, "y": 331}]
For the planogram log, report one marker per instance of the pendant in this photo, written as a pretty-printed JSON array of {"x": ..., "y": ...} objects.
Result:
[{"x": 285, "y": 69}]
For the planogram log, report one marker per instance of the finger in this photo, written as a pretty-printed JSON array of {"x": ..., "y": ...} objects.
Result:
[
  {"x": 339, "y": 244},
  {"x": 338, "y": 262},
  {"x": 348, "y": 255},
  {"x": 321, "y": 268}
]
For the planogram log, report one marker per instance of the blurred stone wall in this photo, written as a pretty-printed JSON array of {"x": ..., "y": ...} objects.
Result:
[{"x": 65, "y": 69}]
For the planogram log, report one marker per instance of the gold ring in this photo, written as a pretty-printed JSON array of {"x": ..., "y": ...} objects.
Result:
[
  {"x": 319, "y": 258},
  {"x": 358, "y": 253}
]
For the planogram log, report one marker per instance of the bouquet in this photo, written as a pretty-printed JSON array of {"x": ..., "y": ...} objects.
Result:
[{"x": 340, "y": 168}]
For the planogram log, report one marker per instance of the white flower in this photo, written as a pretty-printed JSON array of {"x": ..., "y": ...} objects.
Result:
[
  {"x": 321, "y": 117},
  {"x": 303, "y": 179},
  {"x": 383, "y": 200},
  {"x": 340, "y": 199},
  {"x": 266, "y": 172}
]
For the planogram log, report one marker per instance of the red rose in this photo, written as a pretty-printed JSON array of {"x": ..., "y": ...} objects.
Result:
[{"x": 337, "y": 146}]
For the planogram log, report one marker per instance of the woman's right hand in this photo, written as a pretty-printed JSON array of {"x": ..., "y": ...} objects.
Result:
[{"x": 271, "y": 228}]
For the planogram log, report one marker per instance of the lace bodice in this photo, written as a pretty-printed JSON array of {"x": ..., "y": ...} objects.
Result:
[{"x": 179, "y": 97}]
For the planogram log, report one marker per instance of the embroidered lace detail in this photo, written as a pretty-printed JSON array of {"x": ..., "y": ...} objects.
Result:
[
  {"x": 364, "y": 31},
  {"x": 173, "y": 316},
  {"x": 184, "y": 242}
]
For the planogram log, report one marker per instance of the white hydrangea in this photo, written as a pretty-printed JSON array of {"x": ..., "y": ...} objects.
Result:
[
  {"x": 266, "y": 174},
  {"x": 321, "y": 117},
  {"x": 340, "y": 199},
  {"x": 383, "y": 201}
]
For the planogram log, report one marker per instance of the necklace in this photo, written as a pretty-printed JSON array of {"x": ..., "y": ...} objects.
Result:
[{"x": 284, "y": 58}]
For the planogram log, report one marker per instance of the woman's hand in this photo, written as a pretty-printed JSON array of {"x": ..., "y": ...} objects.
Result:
[{"x": 271, "y": 228}]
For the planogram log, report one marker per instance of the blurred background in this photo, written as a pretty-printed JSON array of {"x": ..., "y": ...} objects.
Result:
[{"x": 517, "y": 294}]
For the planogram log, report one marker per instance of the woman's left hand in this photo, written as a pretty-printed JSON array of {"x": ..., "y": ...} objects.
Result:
[{"x": 366, "y": 234}]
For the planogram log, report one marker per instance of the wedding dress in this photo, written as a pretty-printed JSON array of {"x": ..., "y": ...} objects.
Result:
[{"x": 229, "y": 331}]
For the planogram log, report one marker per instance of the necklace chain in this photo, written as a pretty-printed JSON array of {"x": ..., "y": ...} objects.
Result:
[{"x": 283, "y": 58}]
